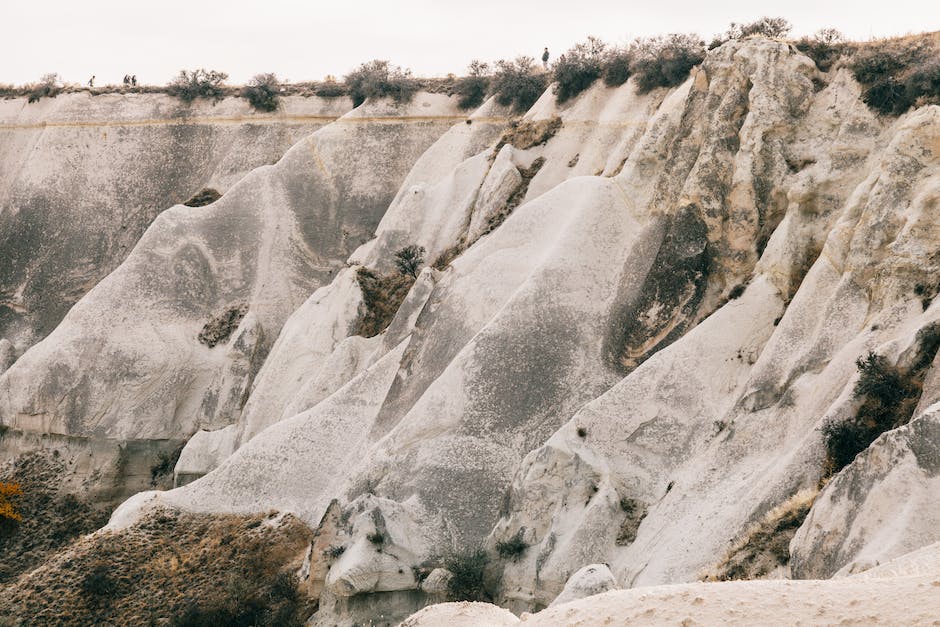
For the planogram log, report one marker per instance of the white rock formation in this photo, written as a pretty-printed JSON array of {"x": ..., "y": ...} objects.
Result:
[
  {"x": 125, "y": 364},
  {"x": 590, "y": 580},
  {"x": 902, "y": 591},
  {"x": 82, "y": 177},
  {"x": 630, "y": 369}
]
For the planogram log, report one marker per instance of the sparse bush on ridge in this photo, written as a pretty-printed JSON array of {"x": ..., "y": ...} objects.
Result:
[
  {"x": 377, "y": 79},
  {"x": 617, "y": 70},
  {"x": 578, "y": 68},
  {"x": 261, "y": 92},
  {"x": 188, "y": 86},
  {"x": 517, "y": 83},
  {"x": 471, "y": 89},
  {"x": 49, "y": 86},
  {"x": 897, "y": 75},
  {"x": 330, "y": 88},
  {"x": 665, "y": 61},
  {"x": 825, "y": 47},
  {"x": 770, "y": 27}
]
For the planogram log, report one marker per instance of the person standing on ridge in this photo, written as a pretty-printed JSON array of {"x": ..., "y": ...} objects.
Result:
[
  {"x": 545, "y": 58},
  {"x": 134, "y": 80},
  {"x": 91, "y": 81}
]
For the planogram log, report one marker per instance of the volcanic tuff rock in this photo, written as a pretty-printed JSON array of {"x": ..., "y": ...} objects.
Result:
[
  {"x": 630, "y": 369},
  {"x": 82, "y": 177}
]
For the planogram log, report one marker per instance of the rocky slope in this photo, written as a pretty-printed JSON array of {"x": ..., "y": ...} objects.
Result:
[
  {"x": 645, "y": 309},
  {"x": 83, "y": 176}
]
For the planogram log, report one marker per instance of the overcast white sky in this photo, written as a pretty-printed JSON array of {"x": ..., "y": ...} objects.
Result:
[{"x": 307, "y": 40}]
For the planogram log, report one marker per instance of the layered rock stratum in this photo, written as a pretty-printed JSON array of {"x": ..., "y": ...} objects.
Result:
[{"x": 616, "y": 374}]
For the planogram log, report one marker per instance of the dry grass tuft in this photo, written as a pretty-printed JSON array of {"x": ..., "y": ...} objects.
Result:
[
  {"x": 765, "y": 545},
  {"x": 528, "y": 134},
  {"x": 170, "y": 568},
  {"x": 382, "y": 294},
  {"x": 49, "y": 518}
]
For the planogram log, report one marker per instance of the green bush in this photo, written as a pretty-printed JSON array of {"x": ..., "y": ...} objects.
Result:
[
  {"x": 188, "y": 86},
  {"x": 517, "y": 83},
  {"x": 665, "y": 61},
  {"x": 49, "y": 86},
  {"x": 262, "y": 92},
  {"x": 379, "y": 79},
  {"x": 467, "y": 581},
  {"x": 578, "y": 68},
  {"x": 617, "y": 64},
  {"x": 471, "y": 89},
  {"x": 408, "y": 260}
]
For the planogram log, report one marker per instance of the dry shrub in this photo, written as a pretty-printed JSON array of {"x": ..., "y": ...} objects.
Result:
[
  {"x": 765, "y": 545},
  {"x": 665, "y": 61},
  {"x": 617, "y": 63},
  {"x": 467, "y": 582},
  {"x": 380, "y": 79},
  {"x": 471, "y": 89},
  {"x": 49, "y": 86},
  {"x": 48, "y": 519},
  {"x": 528, "y": 134},
  {"x": 382, "y": 295},
  {"x": 889, "y": 397},
  {"x": 261, "y": 92},
  {"x": 518, "y": 83},
  {"x": 449, "y": 254},
  {"x": 825, "y": 47},
  {"x": 171, "y": 568},
  {"x": 408, "y": 260},
  {"x": 201, "y": 83},
  {"x": 898, "y": 74},
  {"x": 9, "y": 495},
  {"x": 578, "y": 68}
]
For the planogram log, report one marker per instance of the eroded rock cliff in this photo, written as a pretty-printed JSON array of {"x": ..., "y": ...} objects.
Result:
[{"x": 638, "y": 315}]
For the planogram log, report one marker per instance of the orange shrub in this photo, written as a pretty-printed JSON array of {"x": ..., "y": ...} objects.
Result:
[{"x": 7, "y": 507}]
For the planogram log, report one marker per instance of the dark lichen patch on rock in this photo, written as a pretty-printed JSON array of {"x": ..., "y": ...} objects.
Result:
[
  {"x": 221, "y": 327},
  {"x": 203, "y": 198},
  {"x": 765, "y": 546},
  {"x": 669, "y": 297},
  {"x": 382, "y": 295},
  {"x": 171, "y": 568},
  {"x": 634, "y": 513}
]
